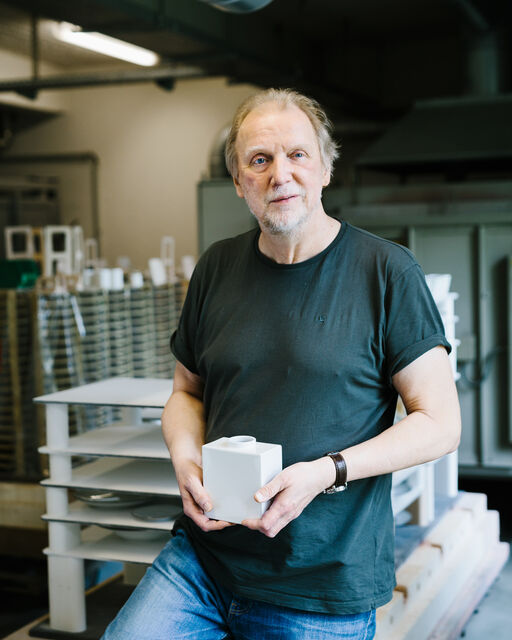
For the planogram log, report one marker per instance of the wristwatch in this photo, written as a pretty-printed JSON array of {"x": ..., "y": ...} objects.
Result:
[{"x": 340, "y": 483}]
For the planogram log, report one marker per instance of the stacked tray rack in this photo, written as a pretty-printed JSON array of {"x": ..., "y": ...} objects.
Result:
[{"x": 20, "y": 431}]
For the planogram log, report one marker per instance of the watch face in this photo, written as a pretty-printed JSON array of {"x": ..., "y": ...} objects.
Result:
[{"x": 335, "y": 489}]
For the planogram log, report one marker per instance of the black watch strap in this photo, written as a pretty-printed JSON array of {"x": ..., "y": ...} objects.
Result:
[{"x": 340, "y": 483}]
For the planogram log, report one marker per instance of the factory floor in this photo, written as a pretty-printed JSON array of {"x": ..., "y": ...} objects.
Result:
[{"x": 492, "y": 618}]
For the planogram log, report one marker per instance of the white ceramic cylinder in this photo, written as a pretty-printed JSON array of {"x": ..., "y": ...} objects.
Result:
[
  {"x": 157, "y": 271},
  {"x": 136, "y": 280},
  {"x": 117, "y": 279},
  {"x": 106, "y": 279},
  {"x": 241, "y": 441}
]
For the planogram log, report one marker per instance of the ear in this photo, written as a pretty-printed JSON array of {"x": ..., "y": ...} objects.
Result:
[
  {"x": 326, "y": 177},
  {"x": 238, "y": 188}
]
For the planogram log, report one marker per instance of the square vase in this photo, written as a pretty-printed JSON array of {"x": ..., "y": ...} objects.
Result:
[{"x": 233, "y": 470}]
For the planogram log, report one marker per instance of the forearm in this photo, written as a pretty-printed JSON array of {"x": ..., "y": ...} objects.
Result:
[
  {"x": 416, "y": 439},
  {"x": 183, "y": 427},
  {"x": 430, "y": 430}
]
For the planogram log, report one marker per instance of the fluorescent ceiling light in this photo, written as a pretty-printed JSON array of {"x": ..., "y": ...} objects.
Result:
[{"x": 72, "y": 34}]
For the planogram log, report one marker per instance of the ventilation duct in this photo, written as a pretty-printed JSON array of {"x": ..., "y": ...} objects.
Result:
[
  {"x": 472, "y": 132},
  {"x": 238, "y": 6}
]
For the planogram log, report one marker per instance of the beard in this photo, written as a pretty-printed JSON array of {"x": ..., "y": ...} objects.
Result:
[
  {"x": 287, "y": 222},
  {"x": 279, "y": 225}
]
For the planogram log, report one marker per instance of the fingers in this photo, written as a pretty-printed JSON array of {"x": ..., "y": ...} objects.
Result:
[
  {"x": 291, "y": 491},
  {"x": 270, "y": 490},
  {"x": 283, "y": 510},
  {"x": 195, "y": 513},
  {"x": 194, "y": 487},
  {"x": 269, "y": 530},
  {"x": 197, "y": 502}
]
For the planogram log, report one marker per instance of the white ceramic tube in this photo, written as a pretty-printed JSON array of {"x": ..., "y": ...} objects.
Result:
[
  {"x": 131, "y": 415},
  {"x": 63, "y": 536},
  {"x": 446, "y": 475},
  {"x": 66, "y": 594},
  {"x": 60, "y": 467},
  {"x": 56, "y": 501},
  {"x": 57, "y": 426}
]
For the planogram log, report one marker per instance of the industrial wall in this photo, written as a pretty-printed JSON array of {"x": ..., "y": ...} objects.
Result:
[{"x": 153, "y": 148}]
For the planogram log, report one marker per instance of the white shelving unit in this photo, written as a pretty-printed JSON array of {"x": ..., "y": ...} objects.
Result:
[{"x": 129, "y": 457}]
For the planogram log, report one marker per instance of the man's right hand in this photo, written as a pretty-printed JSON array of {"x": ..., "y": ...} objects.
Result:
[
  {"x": 195, "y": 499},
  {"x": 183, "y": 430}
]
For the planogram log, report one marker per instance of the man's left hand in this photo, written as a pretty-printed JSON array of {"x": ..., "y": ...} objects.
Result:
[{"x": 292, "y": 490}]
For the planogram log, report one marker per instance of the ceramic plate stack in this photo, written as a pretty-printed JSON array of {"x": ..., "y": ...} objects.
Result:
[
  {"x": 180, "y": 291},
  {"x": 95, "y": 346},
  {"x": 60, "y": 349},
  {"x": 19, "y": 436},
  {"x": 120, "y": 333},
  {"x": 164, "y": 301},
  {"x": 120, "y": 336},
  {"x": 143, "y": 330},
  {"x": 11, "y": 455}
]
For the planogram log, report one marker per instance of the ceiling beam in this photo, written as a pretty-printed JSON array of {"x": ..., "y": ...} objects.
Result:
[
  {"x": 245, "y": 48},
  {"x": 30, "y": 86}
]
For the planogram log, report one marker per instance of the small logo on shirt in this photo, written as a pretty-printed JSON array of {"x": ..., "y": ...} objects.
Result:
[{"x": 321, "y": 318}]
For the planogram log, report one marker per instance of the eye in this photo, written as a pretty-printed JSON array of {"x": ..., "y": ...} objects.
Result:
[
  {"x": 299, "y": 154},
  {"x": 259, "y": 161}
]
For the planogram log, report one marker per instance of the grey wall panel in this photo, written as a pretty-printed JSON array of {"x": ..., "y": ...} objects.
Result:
[
  {"x": 496, "y": 248},
  {"x": 222, "y": 214},
  {"x": 452, "y": 250}
]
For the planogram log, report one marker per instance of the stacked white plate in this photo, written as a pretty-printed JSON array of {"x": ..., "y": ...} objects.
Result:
[
  {"x": 18, "y": 425},
  {"x": 164, "y": 304},
  {"x": 120, "y": 333},
  {"x": 60, "y": 348},
  {"x": 143, "y": 331},
  {"x": 95, "y": 348}
]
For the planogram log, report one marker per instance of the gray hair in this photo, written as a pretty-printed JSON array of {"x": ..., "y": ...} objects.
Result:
[{"x": 284, "y": 98}]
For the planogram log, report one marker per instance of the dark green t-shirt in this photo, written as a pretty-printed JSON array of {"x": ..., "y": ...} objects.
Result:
[{"x": 302, "y": 355}]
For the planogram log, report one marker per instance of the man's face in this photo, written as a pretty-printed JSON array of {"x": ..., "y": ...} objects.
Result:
[{"x": 280, "y": 170}]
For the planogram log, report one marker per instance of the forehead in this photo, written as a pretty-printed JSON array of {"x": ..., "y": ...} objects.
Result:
[{"x": 272, "y": 124}]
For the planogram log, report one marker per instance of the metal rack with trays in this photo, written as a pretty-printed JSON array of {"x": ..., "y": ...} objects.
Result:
[{"x": 127, "y": 458}]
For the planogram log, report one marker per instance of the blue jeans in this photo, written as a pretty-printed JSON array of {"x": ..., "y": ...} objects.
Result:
[{"x": 177, "y": 600}]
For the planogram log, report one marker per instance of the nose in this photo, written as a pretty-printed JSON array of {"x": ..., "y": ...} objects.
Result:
[{"x": 281, "y": 170}]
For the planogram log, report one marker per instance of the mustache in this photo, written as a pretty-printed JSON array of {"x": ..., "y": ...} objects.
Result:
[{"x": 278, "y": 195}]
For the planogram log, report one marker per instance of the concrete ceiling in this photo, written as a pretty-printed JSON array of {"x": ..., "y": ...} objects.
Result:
[{"x": 365, "y": 59}]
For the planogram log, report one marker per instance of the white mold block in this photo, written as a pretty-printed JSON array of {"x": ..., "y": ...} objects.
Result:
[
  {"x": 233, "y": 470},
  {"x": 13, "y": 253}
]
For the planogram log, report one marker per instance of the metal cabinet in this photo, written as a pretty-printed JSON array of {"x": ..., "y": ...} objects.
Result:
[
  {"x": 473, "y": 242},
  {"x": 221, "y": 213}
]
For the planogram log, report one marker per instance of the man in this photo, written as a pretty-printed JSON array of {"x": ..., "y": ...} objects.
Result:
[{"x": 301, "y": 333}]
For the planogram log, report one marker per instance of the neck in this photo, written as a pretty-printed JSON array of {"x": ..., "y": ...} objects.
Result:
[{"x": 306, "y": 243}]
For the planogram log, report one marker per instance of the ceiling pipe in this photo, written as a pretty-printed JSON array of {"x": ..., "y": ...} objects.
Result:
[
  {"x": 160, "y": 74},
  {"x": 485, "y": 65},
  {"x": 238, "y": 6},
  {"x": 474, "y": 15},
  {"x": 485, "y": 61}
]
